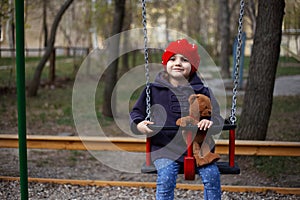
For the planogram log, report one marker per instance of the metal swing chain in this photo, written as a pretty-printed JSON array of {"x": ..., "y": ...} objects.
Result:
[
  {"x": 148, "y": 97},
  {"x": 237, "y": 64}
]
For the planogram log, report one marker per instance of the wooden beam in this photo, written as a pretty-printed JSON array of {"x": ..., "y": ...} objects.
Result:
[
  {"x": 260, "y": 148},
  {"x": 243, "y": 147},
  {"x": 104, "y": 183},
  {"x": 75, "y": 143}
]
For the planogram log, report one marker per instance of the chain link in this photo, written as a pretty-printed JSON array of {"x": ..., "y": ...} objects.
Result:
[
  {"x": 146, "y": 57},
  {"x": 237, "y": 64}
]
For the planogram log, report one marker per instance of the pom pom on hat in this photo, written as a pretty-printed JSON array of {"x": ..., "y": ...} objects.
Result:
[{"x": 183, "y": 47}]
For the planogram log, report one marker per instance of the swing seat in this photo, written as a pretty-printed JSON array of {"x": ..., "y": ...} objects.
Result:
[
  {"x": 223, "y": 167},
  {"x": 148, "y": 169},
  {"x": 188, "y": 170}
]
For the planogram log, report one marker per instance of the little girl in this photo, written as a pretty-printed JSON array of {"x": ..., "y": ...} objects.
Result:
[{"x": 169, "y": 98}]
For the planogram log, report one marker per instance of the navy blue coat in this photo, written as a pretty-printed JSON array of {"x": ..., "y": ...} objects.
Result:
[{"x": 168, "y": 104}]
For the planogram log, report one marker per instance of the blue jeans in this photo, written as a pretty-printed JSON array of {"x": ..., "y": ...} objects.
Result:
[{"x": 167, "y": 171}]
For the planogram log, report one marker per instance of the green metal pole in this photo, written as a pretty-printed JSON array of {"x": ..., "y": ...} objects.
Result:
[{"x": 20, "y": 65}]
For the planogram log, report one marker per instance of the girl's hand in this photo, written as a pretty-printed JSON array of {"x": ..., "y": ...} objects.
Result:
[
  {"x": 143, "y": 127},
  {"x": 204, "y": 124}
]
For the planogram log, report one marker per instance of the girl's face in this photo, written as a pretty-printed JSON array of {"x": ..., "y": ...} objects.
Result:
[{"x": 178, "y": 67}]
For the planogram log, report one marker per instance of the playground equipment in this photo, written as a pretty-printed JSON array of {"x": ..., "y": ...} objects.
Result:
[
  {"x": 189, "y": 162},
  {"x": 20, "y": 65}
]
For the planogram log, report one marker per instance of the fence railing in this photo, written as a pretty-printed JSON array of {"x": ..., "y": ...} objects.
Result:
[{"x": 59, "y": 50}]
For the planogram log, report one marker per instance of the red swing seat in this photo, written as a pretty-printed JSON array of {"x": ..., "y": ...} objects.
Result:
[{"x": 230, "y": 167}]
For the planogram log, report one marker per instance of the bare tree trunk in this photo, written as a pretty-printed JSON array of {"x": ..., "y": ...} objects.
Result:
[
  {"x": 94, "y": 36},
  {"x": 35, "y": 82},
  {"x": 225, "y": 38},
  {"x": 10, "y": 27},
  {"x": 193, "y": 19},
  {"x": 263, "y": 63},
  {"x": 126, "y": 26},
  {"x": 10, "y": 32},
  {"x": 112, "y": 70},
  {"x": 45, "y": 27}
]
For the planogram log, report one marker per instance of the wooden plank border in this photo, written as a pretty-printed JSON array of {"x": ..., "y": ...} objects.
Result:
[
  {"x": 242, "y": 147},
  {"x": 104, "y": 183}
]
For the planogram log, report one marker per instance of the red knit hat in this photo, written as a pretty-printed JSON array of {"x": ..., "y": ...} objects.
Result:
[{"x": 183, "y": 47}]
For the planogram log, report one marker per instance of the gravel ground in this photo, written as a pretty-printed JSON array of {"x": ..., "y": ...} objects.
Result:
[
  {"x": 82, "y": 165},
  {"x": 10, "y": 190}
]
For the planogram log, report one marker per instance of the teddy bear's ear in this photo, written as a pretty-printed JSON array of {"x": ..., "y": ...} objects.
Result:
[{"x": 192, "y": 98}]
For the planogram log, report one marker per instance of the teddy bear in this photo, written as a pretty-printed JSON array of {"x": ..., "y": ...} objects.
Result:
[{"x": 200, "y": 107}]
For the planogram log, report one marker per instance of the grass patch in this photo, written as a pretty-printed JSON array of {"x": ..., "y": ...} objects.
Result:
[
  {"x": 65, "y": 67},
  {"x": 284, "y": 124},
  {"x": 287, "y": 71},
  {"x": 52, "y": 107},
  {"x": 287, "y": 66},
  {"x": 285, "y": 59}
]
